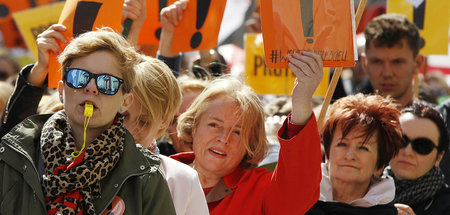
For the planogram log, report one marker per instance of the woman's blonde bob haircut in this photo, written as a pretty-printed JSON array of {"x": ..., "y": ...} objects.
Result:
[
  {"x": 251, "y": 115},
  {"x": 104, "y": 39},
  {"x": 157, "y": 90}
]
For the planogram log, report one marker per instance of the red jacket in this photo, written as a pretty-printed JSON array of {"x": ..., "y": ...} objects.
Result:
[{"x": 292, "y": 188}]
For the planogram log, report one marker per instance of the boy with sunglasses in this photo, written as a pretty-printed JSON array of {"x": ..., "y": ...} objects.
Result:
[
  {"x": 418, "y": 178},
  {"x": 73, "y": 162}
]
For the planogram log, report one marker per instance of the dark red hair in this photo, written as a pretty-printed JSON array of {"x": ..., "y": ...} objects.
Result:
[{"x": 371, "y": 114}]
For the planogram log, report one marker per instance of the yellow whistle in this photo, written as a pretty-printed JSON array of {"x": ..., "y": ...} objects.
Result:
[{"x": 88, "y": 109}]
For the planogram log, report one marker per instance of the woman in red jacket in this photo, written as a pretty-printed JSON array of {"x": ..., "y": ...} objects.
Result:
[{"x": 225, "y": 124}]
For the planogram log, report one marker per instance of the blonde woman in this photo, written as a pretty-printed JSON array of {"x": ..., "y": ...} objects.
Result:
[{"x": 157, "y": 99}]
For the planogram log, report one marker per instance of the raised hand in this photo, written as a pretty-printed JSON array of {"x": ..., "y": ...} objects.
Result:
[
  {"x": 308, "y": 68},
  {"x": 135, "y": 10},
  {"x": 170, "y": 17},
  {"x": 46, "y": 42}
]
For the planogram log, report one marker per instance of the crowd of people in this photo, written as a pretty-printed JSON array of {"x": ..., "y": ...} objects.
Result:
[{"x": 151, "y": 135}]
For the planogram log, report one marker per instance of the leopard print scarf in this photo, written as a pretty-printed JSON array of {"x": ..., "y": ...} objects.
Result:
[{"x": 70, "y": 186}]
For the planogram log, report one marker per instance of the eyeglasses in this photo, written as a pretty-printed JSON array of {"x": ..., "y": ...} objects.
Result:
[
  {"x": 79, "y": 78},
  {"x": 421, "y": 145}
]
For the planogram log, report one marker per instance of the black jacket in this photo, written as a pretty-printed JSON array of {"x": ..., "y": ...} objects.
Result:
[
  {"x": 444, "y": 109},
  {"x": 338, "y": 208},
  {"x": 438, "y": 205},
  {"x": 23, "y": 102}
]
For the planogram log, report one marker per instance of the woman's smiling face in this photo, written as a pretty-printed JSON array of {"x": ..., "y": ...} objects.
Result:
[{"x": 217, "y": 138}]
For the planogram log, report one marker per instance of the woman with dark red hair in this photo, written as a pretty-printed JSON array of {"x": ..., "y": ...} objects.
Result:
[{"x": 360, "y": 137}]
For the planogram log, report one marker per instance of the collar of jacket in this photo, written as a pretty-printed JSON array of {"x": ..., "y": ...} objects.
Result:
[
  {"x": 380, "y": 193},
  {"x": 225, "y": 186}
]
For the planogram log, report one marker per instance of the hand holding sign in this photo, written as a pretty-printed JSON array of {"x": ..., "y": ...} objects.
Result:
[
  {"x": 136, "y": 11},
  {"x": 308, "y": 68},
  {"x": 46, "y": 42},
  {"x": 170, "y": 18},
  {"x": 151, "y": 29}
]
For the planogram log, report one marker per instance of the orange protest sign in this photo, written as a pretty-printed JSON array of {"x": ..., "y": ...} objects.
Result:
[
  {"x": 11, "y": 35},
  {"x": 151, "y": 29},
  {"x": 80, "y": 17},
  {"x": 325, "y": 27},
  {"x": 200, "y": 26}
]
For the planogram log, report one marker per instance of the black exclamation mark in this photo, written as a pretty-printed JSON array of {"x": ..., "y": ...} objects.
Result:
[
  {"x": 306, "y": 7},
  {"x": 419, "y": 15},
  {"x": 85, "y": 16},
  {"x": 202, "y": 11},
  {"x": 33, "y": 3},
  {"x": 4, "y": 11},
  {"x": 162, "y": 4}
]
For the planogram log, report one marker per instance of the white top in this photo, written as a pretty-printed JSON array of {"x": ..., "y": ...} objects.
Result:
[
  {"x": 184, "y": 185},
  {"x": 380, "y": 193}
]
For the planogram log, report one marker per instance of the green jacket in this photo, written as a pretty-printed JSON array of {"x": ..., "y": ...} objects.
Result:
[{"x": 136, "y": 178}]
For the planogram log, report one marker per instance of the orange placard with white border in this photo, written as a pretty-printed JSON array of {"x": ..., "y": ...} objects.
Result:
[
  {"x": 82, "y": 16},
  {"x": 324, "y": 27},
  {"x": 199, "y": 28}
]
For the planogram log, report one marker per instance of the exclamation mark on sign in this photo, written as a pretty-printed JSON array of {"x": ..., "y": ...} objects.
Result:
[
  {"x": 4, "y": 11},
  {"x": 202, "y": 11},
  {"x": 419, "y": 15},
  {"x": 162, "y": 4},
  {"x": 85, "y": 16},
  {"x": 306, "y": 7}
]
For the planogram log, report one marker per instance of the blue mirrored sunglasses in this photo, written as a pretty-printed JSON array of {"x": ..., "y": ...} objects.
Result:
[{"x": 79, "y": 78}]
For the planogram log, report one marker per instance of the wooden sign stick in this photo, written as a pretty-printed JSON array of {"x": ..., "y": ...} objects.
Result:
[{"x": 337, "y": 72}]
